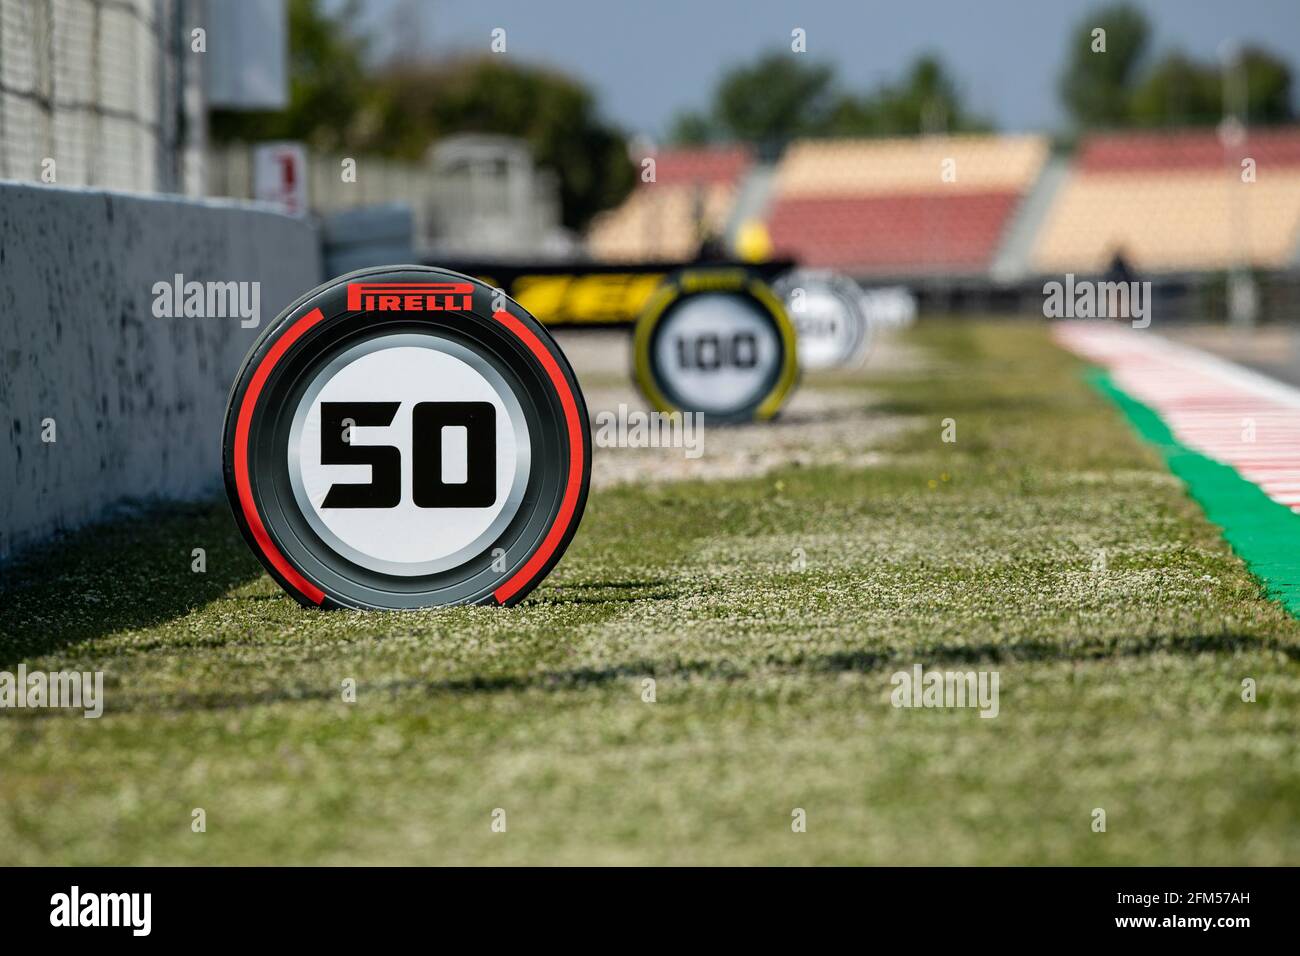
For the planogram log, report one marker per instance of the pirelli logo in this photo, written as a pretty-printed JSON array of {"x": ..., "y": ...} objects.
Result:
[{"x": 410, "y": 296}]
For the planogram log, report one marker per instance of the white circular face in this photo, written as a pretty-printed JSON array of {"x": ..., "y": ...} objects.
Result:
[
  {"x": 821, "y": 322},
  {"x": 409, "y": 454},
  {"x": 717, "y": 352}
]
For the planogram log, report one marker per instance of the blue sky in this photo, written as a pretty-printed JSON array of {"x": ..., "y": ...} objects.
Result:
[{"x": 649, "y": 58}]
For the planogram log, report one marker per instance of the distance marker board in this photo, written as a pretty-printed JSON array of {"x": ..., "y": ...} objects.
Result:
[
  {"x": 718, "y": 342},
  {"x": 831, "y": 327},
  {"x": 406, "y": 437}
]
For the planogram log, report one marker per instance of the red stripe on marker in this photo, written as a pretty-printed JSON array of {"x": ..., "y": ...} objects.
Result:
[
  {"x": 573, "y": 486},
  {"x": 290, "y": 574}
]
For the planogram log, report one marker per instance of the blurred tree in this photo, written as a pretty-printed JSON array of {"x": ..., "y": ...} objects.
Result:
[
  {"x": 327, "y": 84},
  {"x": 926, "y": 101},
  {"x": 1179, "y": 91},
  {"x": 1268, "y": 87},
  {"x": 1096, "y": 85},
  {"x": 779, "y": 96},
  {"x": 1102, "y": 89},
  {"x": 1187, "y": 92},
  {"x": 776, "y": 97},
  {"x": 690, "y": 128},
  {"x": 417, "y": 103},
  {"x": 337, "y": 101}
]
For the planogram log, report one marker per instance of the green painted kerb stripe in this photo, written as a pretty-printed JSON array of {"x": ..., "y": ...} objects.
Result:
[{"x": 1265, "y": 534}]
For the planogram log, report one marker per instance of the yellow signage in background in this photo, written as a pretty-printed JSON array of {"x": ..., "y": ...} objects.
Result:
[{"x": 585, "y": 298}]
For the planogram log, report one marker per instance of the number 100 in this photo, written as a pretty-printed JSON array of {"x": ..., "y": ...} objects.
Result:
[{"x": 711, "y": 351}]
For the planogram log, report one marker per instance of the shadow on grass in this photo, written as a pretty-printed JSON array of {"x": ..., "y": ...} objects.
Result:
[
  {"x": 1024, "y": 405},
  {"x": 941, "y": 656},
  {"x": 131, "y": 572},
  {"x": 1045, "y": 651}
]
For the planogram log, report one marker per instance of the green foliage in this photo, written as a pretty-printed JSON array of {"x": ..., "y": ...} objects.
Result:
[
  {"x": 1110, "y": 88},
  {"x": 554, "y": 114},
  {"x": 690, "y": 128},
  {"x": 1268, "y": 87},
  {"x": 779, "y": 96},
  {"x": 327, "y": 84},
  {"x": 927, "y": 100},
  {"x": 1096, "y": 85},
  {"x": 1179, "y": 91},
  {"x": 337, "y": 101},
  {"x": 1182, "y": 91}
]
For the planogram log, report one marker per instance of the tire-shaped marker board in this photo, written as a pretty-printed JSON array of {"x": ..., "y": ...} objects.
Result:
[
  {"x": 406, "y": 437},
  {"x": 831, "y": 328},
  {"x": 715, "y": 341}
]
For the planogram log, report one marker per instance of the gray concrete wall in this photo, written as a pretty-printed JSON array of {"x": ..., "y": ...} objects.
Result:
[{"x": 137, "y": 401}]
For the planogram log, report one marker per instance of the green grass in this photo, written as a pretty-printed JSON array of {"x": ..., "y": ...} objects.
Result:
[{"x": 1120, "y": 685}]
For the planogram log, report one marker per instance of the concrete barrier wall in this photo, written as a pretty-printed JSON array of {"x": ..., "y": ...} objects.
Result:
[{"x": 133, "y": 401}]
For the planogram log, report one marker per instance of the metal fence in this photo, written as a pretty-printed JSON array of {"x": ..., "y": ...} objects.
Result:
[
  {"x": 489, "y": 210},
  {"x": 378, "y": 180},
  {"x": 88, "y": 93},
  {"x": 1176, "y": 299}
]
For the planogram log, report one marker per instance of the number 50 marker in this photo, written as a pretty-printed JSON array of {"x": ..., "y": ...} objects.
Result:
[{"x": 393, "y": 441}]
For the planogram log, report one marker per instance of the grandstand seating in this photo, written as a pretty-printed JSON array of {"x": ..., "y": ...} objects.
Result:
[
  {"x": 1173, "y": 202},
  {"x": 873, "y": 207},
  {"x": 691, "y": 197},
  {"x": 1167, "y": 201}
]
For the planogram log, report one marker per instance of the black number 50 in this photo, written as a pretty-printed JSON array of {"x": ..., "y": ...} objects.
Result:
[{"x": 428, "y": 419}]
